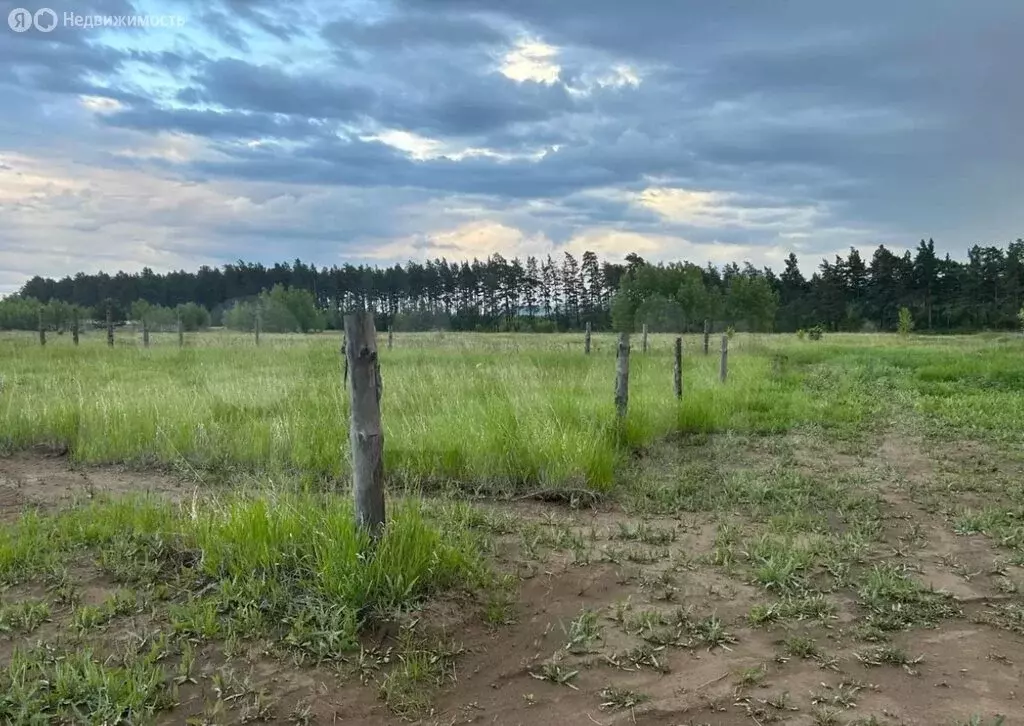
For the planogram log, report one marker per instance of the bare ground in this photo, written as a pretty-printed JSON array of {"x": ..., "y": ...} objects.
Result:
[{"x": 656, "y": 594}]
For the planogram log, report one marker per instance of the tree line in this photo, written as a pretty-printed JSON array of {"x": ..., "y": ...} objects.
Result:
[{"x": 849, "y": 293}]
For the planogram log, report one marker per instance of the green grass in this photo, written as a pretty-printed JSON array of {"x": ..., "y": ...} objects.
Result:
[
  {"x": 716, "y": 506},
  {"x": 495, "y": 411},
  {"x": 293, "y": 566}
]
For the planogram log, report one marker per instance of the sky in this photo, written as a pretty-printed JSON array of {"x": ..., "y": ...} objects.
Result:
[{"x": 378, "y": 131}]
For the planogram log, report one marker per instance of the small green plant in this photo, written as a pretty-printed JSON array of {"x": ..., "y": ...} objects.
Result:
[
  {"x": 23, "y": 616},
  {"x": 889, "y": 655},
  {"x": 621, "y": 698},
  {"x": 816, "y": 332},
  {"x": 753, "y": 676},
  {"x": 552, "y": 670},
  {"x": 582, "y": 632},
  {"x": 801, "y": 334},
  {"x": 729, "y": 332},
  {"x": 800, "y": 646},
  {"x": 906, "y": 322}
]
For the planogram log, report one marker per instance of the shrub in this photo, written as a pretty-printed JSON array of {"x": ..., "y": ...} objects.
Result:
[
  {"x": 816, "y": 333},
  {"x": 906, "y": 322},
  {"x": 801, "y": 334}
]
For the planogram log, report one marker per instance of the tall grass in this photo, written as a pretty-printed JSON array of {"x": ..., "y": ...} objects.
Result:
[
  {"x": 275, "y": 549},
  {"x": 483, "y": 410}
]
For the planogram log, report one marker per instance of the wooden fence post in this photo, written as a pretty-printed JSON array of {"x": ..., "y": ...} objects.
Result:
[
  {"x": 74, "y": 328},
  {"x": 366, "y": 434},
  {"x": 110, "y": 327},
  {"x": 145, "y": 333},
  {"x": 622, "y": 376},
  {"x": 258, "y": 325},
  {"x": 42, "y": 330},
  {"x": 677, "y": 370},
  {"x": 707, "y": 336},
  {"x": 181, "y": 333},
  {"x": 644, "y": 346},
  {"x": 586, "y": 340},
  {"x": 391, "y": 337},
  {"x": 725, "y": 358}
]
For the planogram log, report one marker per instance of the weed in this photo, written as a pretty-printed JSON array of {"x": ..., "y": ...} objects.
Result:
[
  {"x": 710, "y": 633},
  {"x": 807, "y": 607},
  {"x": 895, "y": 602},
  {"x": 645, "y": 533},
  {"x": 552, "y": 670},
  {"x": 889, "y": 655},
  {"x": 583, "y": 632},
  {"x": 621, "y": 698},
  {"x": 753, "y": 676},
  {"x": 77, "y": 684},
  {"x": 23, "y": 616},
  {"x": 800, "y": 646}
]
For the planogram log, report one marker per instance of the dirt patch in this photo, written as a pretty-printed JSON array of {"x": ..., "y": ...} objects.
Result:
[
  {"x": 30, "y": 480},
  {"x": 623, "y": 617}
]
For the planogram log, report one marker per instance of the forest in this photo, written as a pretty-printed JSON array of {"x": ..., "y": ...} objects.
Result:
[{"x": 850, "y": 293}]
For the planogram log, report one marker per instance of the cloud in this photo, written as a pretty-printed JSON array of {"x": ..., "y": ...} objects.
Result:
[
  {"x": 531, "y": 61},
  {"x": 378, "y": 129}
]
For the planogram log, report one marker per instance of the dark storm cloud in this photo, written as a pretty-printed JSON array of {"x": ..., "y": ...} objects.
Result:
[
  {"x": 415, "y": 31},
  {"x": 213, "y": 124},
  {"x": 243, "y": 86}
]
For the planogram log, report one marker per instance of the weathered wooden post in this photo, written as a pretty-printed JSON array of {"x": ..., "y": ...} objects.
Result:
[
  {"x": 391, "y": 337},
  {"x": 181, "y": 333},
  {"x": 74, "y": 327},
  {"x": 110, "y": 327},
  {"x": 586, "y": 340},
  {"x": 725, "y": 358},
  {"x": 677, "y": 370},
  {"x": 258, "y": 326},
  {"x": 622, "y": 376},
  {"x": 42, "y": 330},
  {"x": 145, "y": 333},
  {"x": 365, "y": 432},
  {"x": 707, "y": 336},
  {"x": 644, "y": 346}
]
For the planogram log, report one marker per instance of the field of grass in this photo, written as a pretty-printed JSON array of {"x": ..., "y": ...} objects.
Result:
[
  {"x": 480, "y": 410},
  {"x": 756, "y": 554}
]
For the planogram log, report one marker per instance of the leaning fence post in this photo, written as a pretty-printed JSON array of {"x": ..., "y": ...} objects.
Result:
[
  {"x": 74, "y": 328},
  {"x": 365, "y": 432},
  {"x": 181, "y": 333},
  {"x": 110, "y": 327},
  {"x": 707, "y": 336},
  {"x": 258, "y": 325},
  {"x": 586, "y": 340},
  {"x": 725, "y": 358},
  {"x": 42, "y": 330},
  {"x": 622, "y": 376},
  {"x": 145, "y": 333},
  {"x": 677, "y": 370}
]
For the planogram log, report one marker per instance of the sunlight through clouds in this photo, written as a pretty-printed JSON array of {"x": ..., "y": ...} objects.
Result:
[{"x": 531, "y": 60}]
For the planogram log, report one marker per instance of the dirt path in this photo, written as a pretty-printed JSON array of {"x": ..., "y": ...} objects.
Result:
[{"x": 34, "y": 480}]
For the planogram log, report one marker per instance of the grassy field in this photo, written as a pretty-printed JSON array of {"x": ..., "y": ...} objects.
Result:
[
  {"x": 479, "y": 410},
  {"x": 833, "y": 536}
]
